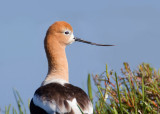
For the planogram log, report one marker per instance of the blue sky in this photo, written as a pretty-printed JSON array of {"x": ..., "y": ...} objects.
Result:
[{"x": 133, "y": 26}]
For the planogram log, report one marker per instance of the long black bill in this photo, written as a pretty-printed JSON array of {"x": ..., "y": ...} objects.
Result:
[{"x": 80, "y": 40}]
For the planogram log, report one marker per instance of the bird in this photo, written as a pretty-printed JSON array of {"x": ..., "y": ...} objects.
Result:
[{"x": 56, "y": 95}]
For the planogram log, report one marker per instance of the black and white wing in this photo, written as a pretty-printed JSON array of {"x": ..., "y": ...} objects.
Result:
[{"x": 55, "y": 98}]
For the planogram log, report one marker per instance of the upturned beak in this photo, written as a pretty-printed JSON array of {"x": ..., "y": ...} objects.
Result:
[{"x": 91, "y": 43}]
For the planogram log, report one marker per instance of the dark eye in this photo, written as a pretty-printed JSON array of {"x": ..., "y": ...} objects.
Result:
[{"x": 67, "y": 32}]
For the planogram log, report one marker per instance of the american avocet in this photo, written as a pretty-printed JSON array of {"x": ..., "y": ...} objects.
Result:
[{"x": 56, "y": 95}]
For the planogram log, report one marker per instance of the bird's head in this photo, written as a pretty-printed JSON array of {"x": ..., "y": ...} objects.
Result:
[{"x": 62, "y": 32}]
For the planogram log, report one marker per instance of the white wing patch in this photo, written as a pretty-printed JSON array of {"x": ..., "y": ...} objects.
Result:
[
  {"x": 74, "y": 106},
  {"x": 49, "y": 106},
  {"x": 46, "y": 105},
  {"x": 89, "y": 110},
  {"x": 52, "y": 108}
]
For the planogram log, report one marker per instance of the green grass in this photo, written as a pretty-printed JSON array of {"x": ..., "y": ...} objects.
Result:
[
  {"x": 131, "y": 92},
  {"x": 21, "y": 107}
]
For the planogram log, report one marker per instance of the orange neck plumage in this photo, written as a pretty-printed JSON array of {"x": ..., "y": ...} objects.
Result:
[{"x": 57, "y": 60}]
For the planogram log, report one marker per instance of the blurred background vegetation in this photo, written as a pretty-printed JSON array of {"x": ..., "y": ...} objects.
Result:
[{"x": 132, "y": 92}]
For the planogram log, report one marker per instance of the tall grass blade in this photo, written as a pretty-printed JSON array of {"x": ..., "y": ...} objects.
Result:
[
  {"x": 119, "y": 97},
  {"x": 17, "y": 101},
  {"x": 107, "y": 74},
  {"x": 143, "y": 94},
  {"x": 21, "y": 101},
  {"x": 89, "y": 88},
  {"x": 80, "y": 109}
]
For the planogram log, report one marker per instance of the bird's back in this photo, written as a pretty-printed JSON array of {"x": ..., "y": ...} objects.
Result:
[{"x": 55, "y": 98}]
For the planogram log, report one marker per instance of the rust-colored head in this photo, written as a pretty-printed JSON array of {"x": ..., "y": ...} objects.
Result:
[{"x": 62, "y": 32}]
